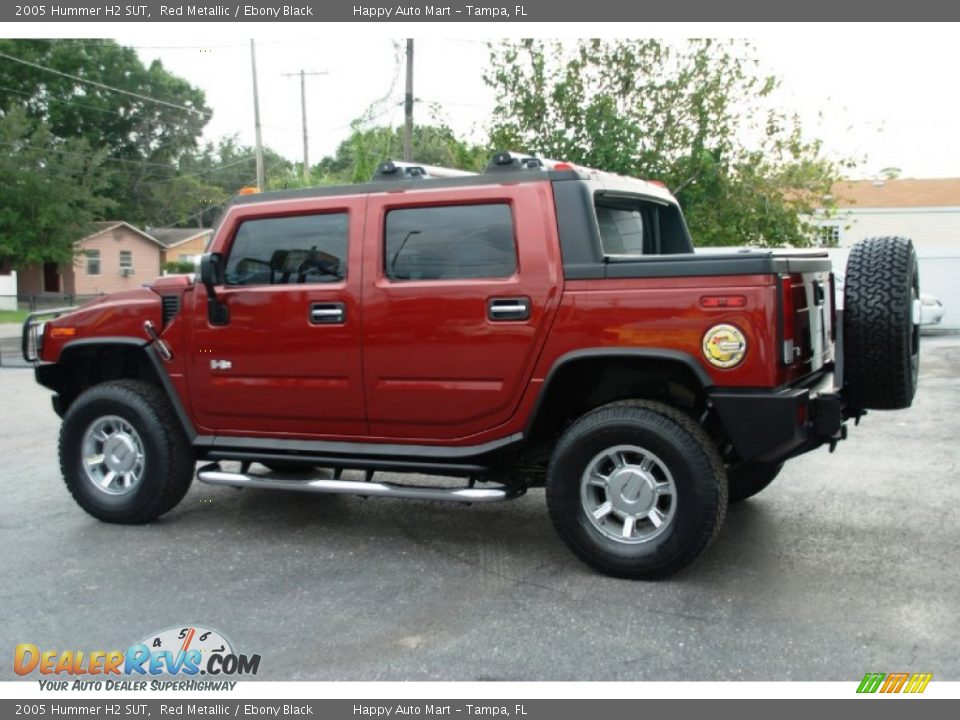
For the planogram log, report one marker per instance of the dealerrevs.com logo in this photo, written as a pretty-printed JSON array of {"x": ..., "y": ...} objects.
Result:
[
  {"x": 178, "y": 651},
  {"x": 894, "y": 682}
]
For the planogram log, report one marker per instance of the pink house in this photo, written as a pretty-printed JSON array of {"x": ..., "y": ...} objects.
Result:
[{"x": 117, "y": 256}]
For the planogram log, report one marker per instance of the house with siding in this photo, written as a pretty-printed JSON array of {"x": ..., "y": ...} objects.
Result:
[
  {"x": 925, "y": 210},
  {"x": 116, "y": 256},
  {"x": 181, "y": 244}
]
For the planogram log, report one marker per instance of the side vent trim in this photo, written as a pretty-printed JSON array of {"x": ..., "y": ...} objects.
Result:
[{"x": 171, "y": 306}]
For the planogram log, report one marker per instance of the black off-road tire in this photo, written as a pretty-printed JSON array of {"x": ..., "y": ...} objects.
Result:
[
  {"x": 168, "y": 459},
  {"x": 750, "y": 478},
  {"x": 680, "y": 446},
  {"x": 881, "y": 341}
]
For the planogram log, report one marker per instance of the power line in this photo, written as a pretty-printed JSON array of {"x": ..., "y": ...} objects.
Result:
[
  {"x": 90, "y": 155},
  {"x": 65, "y": 102},
  {"x": 105, "y": 87},
  {"x": 203, "y": 172},
  {"x": 113, "y": 43}
]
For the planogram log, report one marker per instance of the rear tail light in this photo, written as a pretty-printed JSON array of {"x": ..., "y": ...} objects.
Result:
[{"x": 788, "y": 340}]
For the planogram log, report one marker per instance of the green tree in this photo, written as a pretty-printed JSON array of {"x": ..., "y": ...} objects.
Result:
[
  {"x": 144, "y": 117},
  {"x": 52, "y": 191},
  {"x": 221, "y": 169},
  {"x": 699, "y": 116},
  {"x": 357, "y": 157}
]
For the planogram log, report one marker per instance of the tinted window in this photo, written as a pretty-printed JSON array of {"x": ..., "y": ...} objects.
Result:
[
  {"x": 300, "y": 249},
  {"x": 622, "y": 230},
  {"x": 451, "y": 242},
  {"x": 638, "y": 227}
]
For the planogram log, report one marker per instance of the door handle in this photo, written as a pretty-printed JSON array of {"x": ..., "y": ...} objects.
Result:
[
  {"x": 328, "y": 313},
  {"x": 509, "y": 308}
]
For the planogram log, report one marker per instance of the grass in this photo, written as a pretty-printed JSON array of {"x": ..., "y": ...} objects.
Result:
[{"x": 13, "y": 316}]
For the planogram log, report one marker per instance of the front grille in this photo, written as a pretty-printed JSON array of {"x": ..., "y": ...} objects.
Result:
[{"x": 171, "y": 306}]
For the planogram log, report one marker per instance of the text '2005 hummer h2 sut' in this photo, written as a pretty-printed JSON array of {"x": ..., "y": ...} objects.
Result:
[{"x": 539, "y": 324}]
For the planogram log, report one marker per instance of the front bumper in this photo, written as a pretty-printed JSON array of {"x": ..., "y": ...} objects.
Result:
[{"x": 770, "y": 426}]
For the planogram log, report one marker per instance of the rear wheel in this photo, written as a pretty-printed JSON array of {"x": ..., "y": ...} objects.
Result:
[
  {"x": 123, "y": 456},
  {"x": 881, "y": 324},
  {"x": 750, "y": 478},
  {"x": 636, "y": 489}
]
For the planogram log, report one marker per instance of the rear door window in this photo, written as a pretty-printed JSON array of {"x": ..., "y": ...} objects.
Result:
[{"x": 452, "y": 242}]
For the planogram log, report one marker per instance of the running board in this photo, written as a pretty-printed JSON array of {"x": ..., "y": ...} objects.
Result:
[{"x": 214, "y": 475}]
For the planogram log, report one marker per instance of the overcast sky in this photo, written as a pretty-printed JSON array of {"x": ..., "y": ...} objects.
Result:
[{"x": 881, "y": 92}]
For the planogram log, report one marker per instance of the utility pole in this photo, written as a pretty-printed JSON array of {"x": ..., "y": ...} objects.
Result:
[
  {"x": 303, "y": 111},
  {"x": 256, "y": 117},
  {"x": 408, "y": 107}
]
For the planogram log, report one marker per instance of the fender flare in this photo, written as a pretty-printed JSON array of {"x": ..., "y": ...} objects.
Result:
[
  {"x": 153, "y": 359},
  {"x": 673, "y": 356}
]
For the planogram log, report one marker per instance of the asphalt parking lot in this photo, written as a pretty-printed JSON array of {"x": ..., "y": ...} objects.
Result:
[{"x": 847, "y": 564}]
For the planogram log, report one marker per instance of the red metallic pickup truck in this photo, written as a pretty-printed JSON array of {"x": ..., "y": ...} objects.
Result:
[{"x": 539, "y": 324}]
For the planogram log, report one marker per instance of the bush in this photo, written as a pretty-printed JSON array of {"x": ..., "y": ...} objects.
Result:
[{"x": 179, "y": 267}]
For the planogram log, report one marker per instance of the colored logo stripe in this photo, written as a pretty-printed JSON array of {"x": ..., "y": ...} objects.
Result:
[
  {"x": 918, "y": 682},
  {"x": 894, "y": 682}
]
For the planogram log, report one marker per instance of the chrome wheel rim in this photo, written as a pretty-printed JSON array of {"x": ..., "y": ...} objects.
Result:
[
  {"x": 628, "y": 494},
  {"x": 112, "y": 455}
]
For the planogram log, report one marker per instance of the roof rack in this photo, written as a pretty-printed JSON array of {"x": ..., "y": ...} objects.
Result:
[
  {"x": 396, "y": 170},
  {"x": 509, "y": 161},
  {"x": 505, "y": 161}
]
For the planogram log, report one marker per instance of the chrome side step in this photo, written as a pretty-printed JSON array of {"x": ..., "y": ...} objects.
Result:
[{"x": 214, "y": 475}]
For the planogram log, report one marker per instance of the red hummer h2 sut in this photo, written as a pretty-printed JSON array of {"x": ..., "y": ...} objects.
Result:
[{"x": 539, "y": 324}]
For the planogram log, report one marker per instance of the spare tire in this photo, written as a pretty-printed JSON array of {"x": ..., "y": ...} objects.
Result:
[{"x": 881, "y": 333}]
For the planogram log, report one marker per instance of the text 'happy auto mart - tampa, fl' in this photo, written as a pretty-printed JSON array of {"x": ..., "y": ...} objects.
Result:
[{"x": 360, "y": 12}]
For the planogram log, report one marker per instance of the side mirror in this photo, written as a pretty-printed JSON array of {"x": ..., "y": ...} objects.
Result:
[
  {"x": 211, "y": 271},
  {"x": 211, "y": 275}
]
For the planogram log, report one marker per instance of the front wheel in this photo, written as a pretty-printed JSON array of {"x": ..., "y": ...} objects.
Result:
[
  {"x": 123, "y": 456},
  {"x": 636, "y": 489}
]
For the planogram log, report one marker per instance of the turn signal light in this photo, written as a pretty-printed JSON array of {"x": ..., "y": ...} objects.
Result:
[
  {"x": 62, "y": 332},
  {"x": 248, "y": 191}
]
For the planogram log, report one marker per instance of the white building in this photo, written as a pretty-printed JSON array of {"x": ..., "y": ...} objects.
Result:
[{"x": 925, "y": 210}]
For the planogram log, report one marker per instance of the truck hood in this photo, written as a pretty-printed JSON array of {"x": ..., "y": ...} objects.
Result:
[{"x": 119, "y": 315}]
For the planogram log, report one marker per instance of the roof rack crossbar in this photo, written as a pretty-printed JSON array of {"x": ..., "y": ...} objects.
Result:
[
  {"x": 509, "y": 161},
  {"x": 397, "y": 170}
]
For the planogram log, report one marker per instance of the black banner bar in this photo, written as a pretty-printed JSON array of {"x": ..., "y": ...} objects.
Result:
[
  {"x": 184, "y": 707},
  {"x": 406, "y": 709},
  {"x": 527, "y": 11}
]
